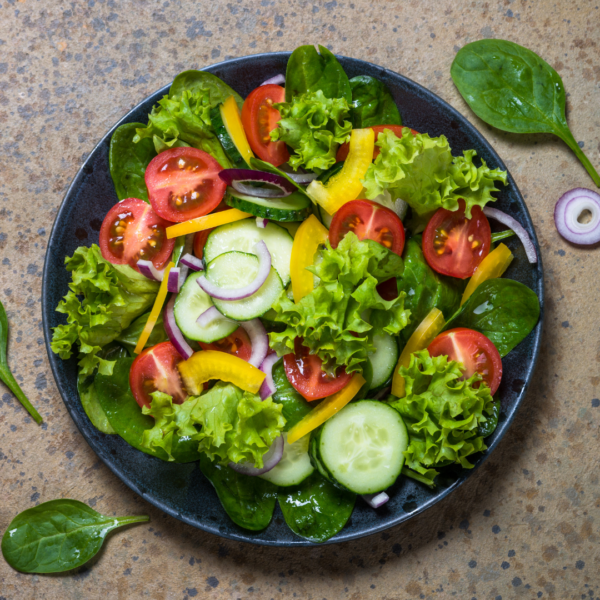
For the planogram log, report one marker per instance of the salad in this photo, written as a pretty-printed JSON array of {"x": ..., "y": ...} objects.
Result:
[{"x": 298, "y": 291}]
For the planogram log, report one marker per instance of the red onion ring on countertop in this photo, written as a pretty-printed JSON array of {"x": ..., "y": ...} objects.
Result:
[{"x": 568, "y": 211}]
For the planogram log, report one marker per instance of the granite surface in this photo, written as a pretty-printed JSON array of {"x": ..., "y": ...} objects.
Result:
[{"x": 526, "y": 525}]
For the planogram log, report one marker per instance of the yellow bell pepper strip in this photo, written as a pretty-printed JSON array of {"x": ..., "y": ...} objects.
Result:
[
  {"x": 310, "y": 235},
  {"x": 212, "y": 364},
  {"x": 492, "y": 266},
  {"x": 155, "y": 312},
  {"x": 329, "y": 407},
  {"x": 346, "y": 185},
  {"x": 232, "y": 119},
  {"x": 423, "y": 335},
  {"x": 206, "y": 222}
]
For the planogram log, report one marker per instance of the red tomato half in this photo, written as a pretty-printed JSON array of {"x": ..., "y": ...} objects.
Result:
[
  {"x": 132, "y": 231},
  {"x": 368, "y": 220},
  {"x": 260, "y": 118},
  {"x": 343, "y": 150},
  {"x": 304, "y": 372},
  {"x": 156, "y": 369},
  {"x": 454, "y": 245},
  {"x": 238, "y": 344},
  {"x": 184, "y": 183},
  {"x": 474, "y": 350}
]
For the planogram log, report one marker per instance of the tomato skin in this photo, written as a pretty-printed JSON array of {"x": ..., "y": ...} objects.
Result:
[
  {"x": 128, "y": 231},
  {"x": 454, "y": 245},
  {"x": 260, "y": 118},
  {"x": 156, "y": 369},
  {"x": 304, "y": 372},
  {"x": 343, "y": 150},
  {"x": 184, "y": 183},
  {"x": 238, "y": 344},
  {"x": 368, "y": 220},
  {"x": 474, "y": 350},
  {"x": 388, "y": 289}
]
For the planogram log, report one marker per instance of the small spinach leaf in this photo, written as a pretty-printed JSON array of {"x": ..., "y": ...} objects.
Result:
[
  {"x": 372, "y": 103},
  {"x": 316, "y": 509},
  {"x": 295, "y": 407},
  {"x": 193, "y": 81},
  {"x": 249, "y": 501},
  {"x": 504, "y": 310},
  {"x": 129, "y": 337},
  {"x": 487, "y": 428},
  {"x": 513, "y": 89},
  {"x": 128, "y": 161},
  {"x": 57, "y": 536}
]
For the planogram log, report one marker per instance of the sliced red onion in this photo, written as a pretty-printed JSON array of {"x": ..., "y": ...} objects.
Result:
[
  {"x": 149, "y": 270},
  {"x": 176, "y": 279},
  {"x": 237, "y": 179},
  {"x": 264, "y": 268},
  {"x": 259, "y": 340},
  {"x": 494, "y": 213},
  {"x": 260, "y": 222},
  {"x": 209, "y": 315},
  {"x": 567, "y": 212},
  {"x": 270, "y": 459},
  {"x": 193, "y": 263},
  {"x": 268, "y": 385},
  {"x": 174, "y": 332},
  {"x": 277, "y": 80},
  {"x": 302, "y": 177},
  {"x": 376, "y": 500}
]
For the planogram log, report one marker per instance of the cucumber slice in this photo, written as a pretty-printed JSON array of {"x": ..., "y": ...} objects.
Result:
[
  {"x": 361, "y": 448},
  {"x": 191, "y": 302},
  {"x": 291, "y": 227},
  {"x": 325, "y": 217},
  {"x": 295, "y": 207},
  {"x": 220, "y": 127},
  {"x": 294, "y": 466},
  {"x": 242, "y": 236},
  {"x": 234, "y": 270},
  {"x": 383, "y": 360}
]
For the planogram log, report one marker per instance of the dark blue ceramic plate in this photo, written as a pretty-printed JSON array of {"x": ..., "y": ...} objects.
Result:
[{"x": 181, "y": 490}]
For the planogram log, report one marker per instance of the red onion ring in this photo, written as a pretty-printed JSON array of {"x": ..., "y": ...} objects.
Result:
[
  {"x": 302, "y": 177},
  {"x": 193, "y": 263},
  {"x": 209, "y": 315},
  {"x": 277, "y": 80},
  {"x": 567, "y": 211},
  {"x": 270, "y": 459},
  {"x": 264, "y": 268},
  {"x": 258, "y": 339},
  {"x": 174, "y": 332},
  {"x": 236, "y": 178},
  {"x": 147, "y": 269},
  {"x": 375, "y": 500},
  {"x": 268, "y": 385},
  {"x": 494, "y": 213},
  {"x": 176, "y": 279}
]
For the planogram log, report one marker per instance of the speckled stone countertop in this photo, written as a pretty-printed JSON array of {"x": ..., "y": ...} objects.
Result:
[{"x": 526, "y": 525}]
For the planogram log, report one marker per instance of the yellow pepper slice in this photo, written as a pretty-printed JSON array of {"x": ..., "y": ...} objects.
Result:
[
  {"x": 212, "y": 364},
  {"x": 346, "y": 185},
  {"x": 423, "y": 335},
  {"x": 207, "y": 222},
  {"x": 329, "y": 407},
  {"x": 155, "y": 312},
  {"x": 232, "y": 119},
  {"x": 492, "y": 266},
  {"x": 308, "y": 238}
]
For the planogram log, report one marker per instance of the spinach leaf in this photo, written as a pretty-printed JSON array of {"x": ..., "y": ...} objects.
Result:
[
  {"x": 295, "y": 407},
  {"x": 129, "y": 337},
  {"x": 425, "y": 289},
  {"x": 487, "y": 428},
  {"x": 316, "y": 509},
  {"x": 193, "y": 81},
  {"x": 309, "y": 71},
  {"x": 249, "y": 501},
  {"x": 513, "y": 89},
  {"x": 126, "y": 418},
  {"x": 6, "y": 376},
  {"x": 502, "y": 309},
  {"x": 57, "y": 536},
  {"x": 372, "y": 103},
  {"x": 128, "y": 161}
]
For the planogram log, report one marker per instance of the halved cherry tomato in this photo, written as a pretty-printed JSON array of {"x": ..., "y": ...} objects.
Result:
[
  {"x": 238, "y": 344},
  {"x": 474, "y": 350},
  {"x": 156, "y": 369},
  {"x": 184, "y": 183},
  {"x": 132, "y": 231},
  {"x": 260, "y": 118},
  {"x": 343, "y": 150},
  {"x": 368, "y": 220},
  {"x": 454, "y": 245},
  {"x": 304, "y": 372},
  {"x": 388, "y": 289},
  {"x": 200, "y": 237}
]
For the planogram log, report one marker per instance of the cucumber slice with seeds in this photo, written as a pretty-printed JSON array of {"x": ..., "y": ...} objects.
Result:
[
  {"x": 383, "y": 360},
  {"x": 294, "y": 466},
  {"x": 295, "y": 207}
]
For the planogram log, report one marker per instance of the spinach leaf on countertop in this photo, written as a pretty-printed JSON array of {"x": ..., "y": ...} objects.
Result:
[
  {"x": 295, "y": 407},
  {"x": 372, "y": 103}
]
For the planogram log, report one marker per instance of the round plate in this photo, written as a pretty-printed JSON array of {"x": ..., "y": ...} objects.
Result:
[{"x": 181, "y": 490}]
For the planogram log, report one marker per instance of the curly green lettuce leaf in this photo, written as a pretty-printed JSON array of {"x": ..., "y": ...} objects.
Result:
[
  {"x": 422, "y": 171},
  {"x": 103, "y": 300},
  {"x": 229, "y": 424},
  {"x": 314, "y": 126},
  {"x": 338, "y": 319},
  {"x": 443, "y": 413}
]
